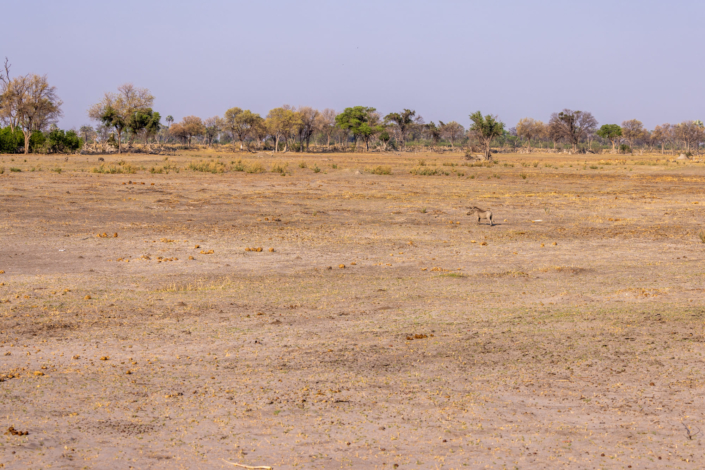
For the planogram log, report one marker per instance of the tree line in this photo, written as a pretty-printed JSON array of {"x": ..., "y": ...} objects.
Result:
[{"x": 30, "y": 109}]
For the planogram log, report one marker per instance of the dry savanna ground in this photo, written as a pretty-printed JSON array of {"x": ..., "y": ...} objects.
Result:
[{"x": 378, "y": 327}]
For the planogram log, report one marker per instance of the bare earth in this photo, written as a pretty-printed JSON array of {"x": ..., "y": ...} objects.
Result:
[{"x": 385, "y": 330}]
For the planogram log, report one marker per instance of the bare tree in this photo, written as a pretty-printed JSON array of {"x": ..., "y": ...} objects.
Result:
[
  {"x": 8, "y": 111},
  {"x": 691, "y": 133},
  {"x": 451, "y": 131},
  {"x": 309, "y": 124},
  {"x": 213, "y": 126},
  {"x": 572, "y": 126},
  {"x": 632, "y": 131},
  {"x": 87, "y": 132},
  {"x": 326, "y": 124},
  {"x": 662, "y": 135},
  {"x": 34, "y": 102}
]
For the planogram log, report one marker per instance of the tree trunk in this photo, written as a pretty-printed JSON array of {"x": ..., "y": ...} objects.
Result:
[
  {"x": 119, "y": 138},
  {"x": 27, "y": 136}
]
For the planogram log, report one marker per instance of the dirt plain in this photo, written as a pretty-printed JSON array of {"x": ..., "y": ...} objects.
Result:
[{"x": 385, "y": 330}]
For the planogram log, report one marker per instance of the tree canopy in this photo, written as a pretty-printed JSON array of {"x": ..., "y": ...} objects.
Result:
[
  {"x": 485, "y": 129},
  {"x": 361, "y": 121},
  {"x": 611, "y": 132}
]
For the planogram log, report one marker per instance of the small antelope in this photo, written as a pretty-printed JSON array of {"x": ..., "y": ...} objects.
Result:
[{"x": 481, "y": 214}]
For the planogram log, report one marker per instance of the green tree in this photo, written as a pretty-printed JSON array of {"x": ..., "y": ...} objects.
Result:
[
  {"x": 362, "y": 121},
  {"x": 116, "y": 109},
  {"x": 611, "y": 132},
  {"x": 240, "y": 123},
  {"x": 110, "y": 118},
  {"x": 59, "y": 141},
  {"x": 144, "y": 121},
  {"x": 484, "y": 129},
  {"x": 10, "y": 140},
  {"x": 402, "y": 121}
]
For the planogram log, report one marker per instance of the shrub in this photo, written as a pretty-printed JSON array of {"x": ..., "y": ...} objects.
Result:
[
  {"x": 280, "y": 168},
  {"x": 424, "y": 171},
  {"x": 380, "y": 170},
  {"x": 2, "y": 170},
  {"x": 303, "y": 165},
  {"x": 523, "y": 175},
  {"x": 316, "y": 169},
  {"x": 56, "y": 170},
  {"x": 15, "y": 170},
  {"x": 59, "y": 141},
  {"x": 701, "y": 235},
  {"x": 255, "y": 167},
  {"x": 237, "y": 166},
  {"x": 422, "y": 162},
  {"x": 624, "y": 148},
  {"x": 207, "y": 167},
  {"x": 124, "y": 168}
]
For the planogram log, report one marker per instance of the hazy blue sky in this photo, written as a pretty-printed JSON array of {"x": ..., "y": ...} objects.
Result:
[{"x": 445, "y": 59}]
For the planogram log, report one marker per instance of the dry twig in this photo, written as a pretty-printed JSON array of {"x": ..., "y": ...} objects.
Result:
[{"x": 247, "y": 466}]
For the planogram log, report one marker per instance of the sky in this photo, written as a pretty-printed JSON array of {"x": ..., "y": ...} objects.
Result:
[{"x": 619, "y": 59}]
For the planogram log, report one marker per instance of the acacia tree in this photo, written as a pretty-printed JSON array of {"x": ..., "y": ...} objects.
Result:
[
  {"x": 115, "y": 109},
  {"x": 484, "y": 129},
  {"x": 572, "y": 126},
  {"x": 34, "y": 104},
  {"x": 529, "y": 128},
  {"x": 451, "y": 131},
  {"x": 611, "y": 132},
  {"x": 402, "y": 122},
  {"x": 362, "y": 121}
]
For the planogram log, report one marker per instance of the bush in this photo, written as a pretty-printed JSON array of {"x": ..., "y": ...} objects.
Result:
[
  {"x": 279, "y": 168},
  {"x": 11, "y": 142},
  {"x": 119, "y": 169},
  {"x": 237, "y": 166},
  {"x": 303, "y": 165},
  {"x": 380, "y": 170},
  {"x": 59, "y": 141},
  {"x": 624, "y": 148},
  {"x": 316, "y": 169},
  {"x": 255, "y": 167},
  {"x": 207, "y": 167},
  {"x": 424, "y": 171},
  {"x": 15, "y": 170}
]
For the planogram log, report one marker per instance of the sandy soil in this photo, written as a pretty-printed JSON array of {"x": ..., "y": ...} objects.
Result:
[{"x": 385, "y": 330}]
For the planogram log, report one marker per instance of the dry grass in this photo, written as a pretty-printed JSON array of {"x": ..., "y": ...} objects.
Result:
[{"x": 275, "y": 320}]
